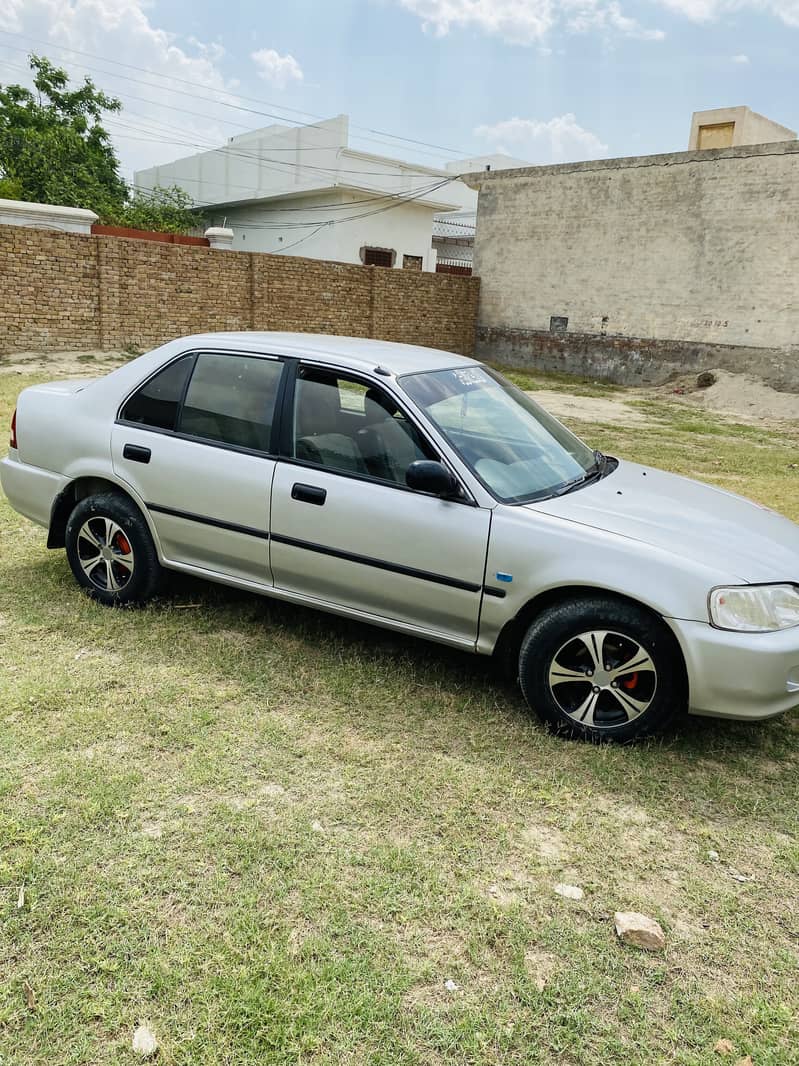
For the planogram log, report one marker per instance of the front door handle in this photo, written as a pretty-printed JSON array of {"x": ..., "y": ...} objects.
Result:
[
  {"x": 136, "y": 453},
  {"x": 309, "y": 494}
]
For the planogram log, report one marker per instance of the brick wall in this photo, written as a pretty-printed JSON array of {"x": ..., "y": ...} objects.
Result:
[
  {"x": 61, "y": 291},
  {"x": 658, "y": 262}
]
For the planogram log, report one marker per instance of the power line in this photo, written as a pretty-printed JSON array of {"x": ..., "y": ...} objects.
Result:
[
  {"x": 397, "y": 201},
  {"x": 252, "y": 190},
  {"x": 240, "y": 151},
  {"x": 227, "y": 92},
  {"x": 287, "y": 168}
]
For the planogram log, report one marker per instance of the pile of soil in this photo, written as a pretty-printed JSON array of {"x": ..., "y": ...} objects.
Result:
[{"x": 739, "y": 395}]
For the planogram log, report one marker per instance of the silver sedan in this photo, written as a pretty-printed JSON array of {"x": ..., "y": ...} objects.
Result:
[{"x": 417, "y": 490}]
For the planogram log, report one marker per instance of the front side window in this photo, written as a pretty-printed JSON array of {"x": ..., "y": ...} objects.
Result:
[
  {"x": 516, "y": 449},
  {"x": 353, "y": 427},
  {"x": 231, "y": 399},
  {"x": 156, "y": 403}
]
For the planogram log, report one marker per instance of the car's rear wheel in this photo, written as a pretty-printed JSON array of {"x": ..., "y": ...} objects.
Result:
[
  {"x": 110, "y": 550},
  {"x": 602, "y": 669}
]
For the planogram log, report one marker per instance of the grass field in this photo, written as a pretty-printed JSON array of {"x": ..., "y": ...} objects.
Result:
[{"x": 275, "y": 835}]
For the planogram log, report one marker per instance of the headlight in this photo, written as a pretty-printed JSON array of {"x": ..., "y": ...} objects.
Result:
[{"x": 755, "y": 608}]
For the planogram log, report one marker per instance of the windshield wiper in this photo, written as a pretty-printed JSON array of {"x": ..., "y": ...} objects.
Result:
[{"x": 593, "y": 473}]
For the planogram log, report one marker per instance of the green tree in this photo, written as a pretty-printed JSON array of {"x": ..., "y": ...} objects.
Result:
[
  {"x": 53, "y": 146},
  {"x": 55, "y": 150},
  {"x": 10, "y": 189},
  {"x": 164, "y": 210}
]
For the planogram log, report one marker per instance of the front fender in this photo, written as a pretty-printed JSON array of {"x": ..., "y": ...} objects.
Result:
[{"x": 535, "y": 553}]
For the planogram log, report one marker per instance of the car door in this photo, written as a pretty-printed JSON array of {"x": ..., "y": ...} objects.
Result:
[
  {"x": 195, "y": 443},
  {"x": 347, "y": 531}
]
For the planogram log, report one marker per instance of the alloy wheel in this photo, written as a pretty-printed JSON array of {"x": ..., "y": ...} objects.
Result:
[
  {"x": 602, "y": 679},
  {"x": 105, "y": 554}
]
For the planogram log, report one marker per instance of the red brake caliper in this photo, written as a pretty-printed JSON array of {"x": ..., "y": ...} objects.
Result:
[
  {"x": 122, "y": 543},
  {"x": 631, "y": 681}
]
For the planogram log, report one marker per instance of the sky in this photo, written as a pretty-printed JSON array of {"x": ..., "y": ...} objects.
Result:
[{"x": 540, "y": 80}]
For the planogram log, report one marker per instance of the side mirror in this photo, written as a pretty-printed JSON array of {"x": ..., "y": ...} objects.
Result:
[{"x": 426, "y": 475}]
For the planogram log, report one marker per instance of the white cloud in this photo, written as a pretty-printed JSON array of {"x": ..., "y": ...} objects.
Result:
[
  {"x": 741, "y": 59},
  {"x": 611, "y": 17},
  {"x": 278, "y": 70},
  {"x": 708, "y": 10},
  {"x": 526, "y": 21},
  {"x": 517, "y": 21},
  {"x": 560, "y": 140},
  {"x": 122, "y": 30}
]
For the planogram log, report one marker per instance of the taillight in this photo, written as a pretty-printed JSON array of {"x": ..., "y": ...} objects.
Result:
[{"x": 13, "y": 441}]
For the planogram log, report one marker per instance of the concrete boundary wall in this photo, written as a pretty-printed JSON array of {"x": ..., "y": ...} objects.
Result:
[
  {"x": 62, "y": 291},
  {"x": 633, "y": 268},
  {"x": 633, "y": 360}
]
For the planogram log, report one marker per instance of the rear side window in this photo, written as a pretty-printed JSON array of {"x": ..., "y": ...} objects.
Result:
[
  {"x": 156, "y": 402},
  {"x": 231, "y": 399}
]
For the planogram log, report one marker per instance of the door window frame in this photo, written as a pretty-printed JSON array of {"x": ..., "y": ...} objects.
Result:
[
  {"x": 194, "y": 354},
  {"x": 286, "y": 415}
]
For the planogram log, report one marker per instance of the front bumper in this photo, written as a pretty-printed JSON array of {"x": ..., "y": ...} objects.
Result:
[
  {"x": 30, "y": 489},
  {"x": 739, "y": 675}
]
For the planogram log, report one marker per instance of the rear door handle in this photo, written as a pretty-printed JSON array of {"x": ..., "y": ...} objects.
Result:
[
  {"x": 136, "y": 453},
  {"x": 309, "y": 494}
]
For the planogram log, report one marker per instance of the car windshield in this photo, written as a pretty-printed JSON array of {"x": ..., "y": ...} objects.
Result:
[{"x": 518, "y": 451}]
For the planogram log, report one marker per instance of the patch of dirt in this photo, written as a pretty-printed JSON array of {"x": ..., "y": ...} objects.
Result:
[
  {"x": 547, "y": 841},
  {"x": 63, "y": 364},
  {"x": 735, "y": 396},
  {"x": 541, "y": 965},
  {"x": 591, "y": 408}
]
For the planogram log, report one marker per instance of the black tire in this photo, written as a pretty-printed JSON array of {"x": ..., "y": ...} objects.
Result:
[
  {"x": 128, "y": 572},
  {"x": 620, "y": 704}
]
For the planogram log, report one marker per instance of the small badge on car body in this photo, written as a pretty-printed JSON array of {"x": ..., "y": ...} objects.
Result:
[{"x": 504, "y": 577}]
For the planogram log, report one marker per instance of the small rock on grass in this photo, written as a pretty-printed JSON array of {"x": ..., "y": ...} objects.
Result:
[
  {"x": 569, "y": 891},
  {"x": 724, "y": 1047},
  {"x": 713, "y": 855},
  {"x": 639, "y": 931},
  {"x": 450, "y": 985},
  {"x": 145, "y": 1042}
]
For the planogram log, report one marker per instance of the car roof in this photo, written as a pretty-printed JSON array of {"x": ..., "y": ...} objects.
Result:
[{"x": 358, "y": 353}]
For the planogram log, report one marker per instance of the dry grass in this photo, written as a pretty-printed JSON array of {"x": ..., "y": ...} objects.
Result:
[{"x": 275, "y": 835}]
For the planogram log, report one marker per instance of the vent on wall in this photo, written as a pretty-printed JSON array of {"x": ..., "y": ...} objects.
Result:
[{"x": 558, "y": 324}]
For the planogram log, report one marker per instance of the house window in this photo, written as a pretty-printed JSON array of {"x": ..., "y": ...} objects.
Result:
[
  {"x": 378, "y": 257},
  {"x": 717, "y": 135},
  {"x": 411, "y": 262}
]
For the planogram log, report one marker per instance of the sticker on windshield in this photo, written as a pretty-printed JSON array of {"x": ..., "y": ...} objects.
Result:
[{"x": 475, "y": 375}]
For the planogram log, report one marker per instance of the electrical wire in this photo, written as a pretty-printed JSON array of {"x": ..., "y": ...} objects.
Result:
[
  {"x": 396, "y": 199},
  {"x": 255, "y": 224},
  {"x": 227, "y": 92},
  {"x": 239, "y": 151}
]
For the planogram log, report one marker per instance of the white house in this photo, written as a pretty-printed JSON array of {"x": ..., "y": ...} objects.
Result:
[
  {"x": 453, "y": 232},
  {"x": 303, "y": 191}
]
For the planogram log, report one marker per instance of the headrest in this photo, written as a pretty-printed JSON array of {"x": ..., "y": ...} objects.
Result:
[{"x": 377, "y": 407}]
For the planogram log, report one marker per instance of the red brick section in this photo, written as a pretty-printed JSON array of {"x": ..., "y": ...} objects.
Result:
[
  {"x": 63, "y": 291},
  {"x": 148, "y": 235}
]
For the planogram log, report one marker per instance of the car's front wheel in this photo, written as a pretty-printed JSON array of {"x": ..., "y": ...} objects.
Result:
[
  {"x": 110, "y": 550},
  {"x": 599, "y": 668}
]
